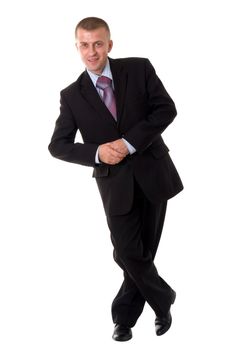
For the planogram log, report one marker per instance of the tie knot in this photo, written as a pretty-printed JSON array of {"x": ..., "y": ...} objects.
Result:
[{"x": 103, "y": 82}]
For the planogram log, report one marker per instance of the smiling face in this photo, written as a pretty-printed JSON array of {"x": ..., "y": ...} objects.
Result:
[{"x": 94, "y": 46}]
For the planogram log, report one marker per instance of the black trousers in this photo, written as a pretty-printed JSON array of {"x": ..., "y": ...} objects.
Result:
[{"x": 135, "y": 237}]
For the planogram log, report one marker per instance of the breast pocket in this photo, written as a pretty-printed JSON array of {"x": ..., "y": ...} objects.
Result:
[{"x": 136, "y": 99}]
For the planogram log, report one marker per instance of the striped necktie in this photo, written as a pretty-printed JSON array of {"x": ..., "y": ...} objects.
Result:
[{"x": 105, "y": 84}]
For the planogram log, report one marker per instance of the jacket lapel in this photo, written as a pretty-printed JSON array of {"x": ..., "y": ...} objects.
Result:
[
  {"x": 92, "y": 97},
  {"x": 120, "y": 83}
]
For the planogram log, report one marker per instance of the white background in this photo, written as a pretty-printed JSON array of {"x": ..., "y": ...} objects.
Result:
[{"x": 57, "y": 274}]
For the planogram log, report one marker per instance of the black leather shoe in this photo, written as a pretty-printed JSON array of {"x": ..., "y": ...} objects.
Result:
[
  {"x": 163, "y": 323},
  {"x": 122, "y": 333}
]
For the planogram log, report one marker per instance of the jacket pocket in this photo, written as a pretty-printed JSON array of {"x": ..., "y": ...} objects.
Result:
[
  {"x": 159, "y": 151},
  {"x": 100, "y": 171}
]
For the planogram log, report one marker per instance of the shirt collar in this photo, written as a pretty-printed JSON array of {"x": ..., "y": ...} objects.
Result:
[{"x": 106, "y": 72}]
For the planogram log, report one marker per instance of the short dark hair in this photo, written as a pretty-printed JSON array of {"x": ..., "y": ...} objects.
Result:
[{"x": 92, "y": 23}]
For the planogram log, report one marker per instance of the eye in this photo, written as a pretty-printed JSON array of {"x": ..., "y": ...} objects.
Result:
[
  {"x": 83, "y": 45},
  {"x": 98, "y": 44}
]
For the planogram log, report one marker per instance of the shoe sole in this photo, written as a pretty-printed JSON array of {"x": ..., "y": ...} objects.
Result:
[{"x": 122, "y": 339}]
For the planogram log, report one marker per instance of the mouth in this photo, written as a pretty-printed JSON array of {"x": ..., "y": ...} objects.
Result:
[{"x": 93, "y": 59}]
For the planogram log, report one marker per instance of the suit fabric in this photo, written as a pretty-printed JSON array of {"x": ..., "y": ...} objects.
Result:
[{"x": 144, "y": 110}]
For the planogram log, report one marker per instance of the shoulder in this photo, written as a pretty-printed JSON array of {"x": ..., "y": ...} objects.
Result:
[
  {"x": 131, "y": 61},
  {"x": 73, "y": 87},
  {"x": 133, "y": 65}
]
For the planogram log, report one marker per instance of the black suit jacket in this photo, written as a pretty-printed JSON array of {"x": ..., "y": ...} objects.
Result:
[{"x": 144, "y": 110}]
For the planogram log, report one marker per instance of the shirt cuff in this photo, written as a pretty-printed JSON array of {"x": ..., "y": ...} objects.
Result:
[
  {"x": 131, "y": 148},
  {"x": 97, "y": 161}
]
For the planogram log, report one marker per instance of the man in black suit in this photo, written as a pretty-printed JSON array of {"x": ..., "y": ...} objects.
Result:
[{"x": 121, "y": 131}]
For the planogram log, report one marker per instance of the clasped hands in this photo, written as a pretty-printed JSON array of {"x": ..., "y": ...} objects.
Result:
[{"x": 113, "y": 152}]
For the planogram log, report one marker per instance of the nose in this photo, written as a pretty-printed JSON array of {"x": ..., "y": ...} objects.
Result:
[{"x": 92, "y": 50}]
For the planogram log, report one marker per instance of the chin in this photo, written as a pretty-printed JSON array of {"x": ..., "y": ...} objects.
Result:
[{"x": 96, "y": 70}]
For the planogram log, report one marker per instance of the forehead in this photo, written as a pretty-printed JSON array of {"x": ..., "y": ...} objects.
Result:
[{"x": 84, "y": 35}]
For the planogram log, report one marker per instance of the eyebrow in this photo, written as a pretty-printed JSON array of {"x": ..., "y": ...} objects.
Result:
[{"x": 97, "y": 41}]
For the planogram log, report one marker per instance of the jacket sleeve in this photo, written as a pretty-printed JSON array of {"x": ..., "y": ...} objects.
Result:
[
  {"x": 62, "y": 145},
  {"x": 162, "y": 112}
]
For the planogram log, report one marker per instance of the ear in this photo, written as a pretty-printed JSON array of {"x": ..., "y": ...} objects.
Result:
[
  {"x": 110, "y": 45},
  {"x": 76, "y": 45}
]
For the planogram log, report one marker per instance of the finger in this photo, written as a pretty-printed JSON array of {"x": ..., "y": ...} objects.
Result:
[
  {"x": 117, "y": 149},
  {"x": 114, "y": 148},
  {"x": 117, "y": 155}
]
